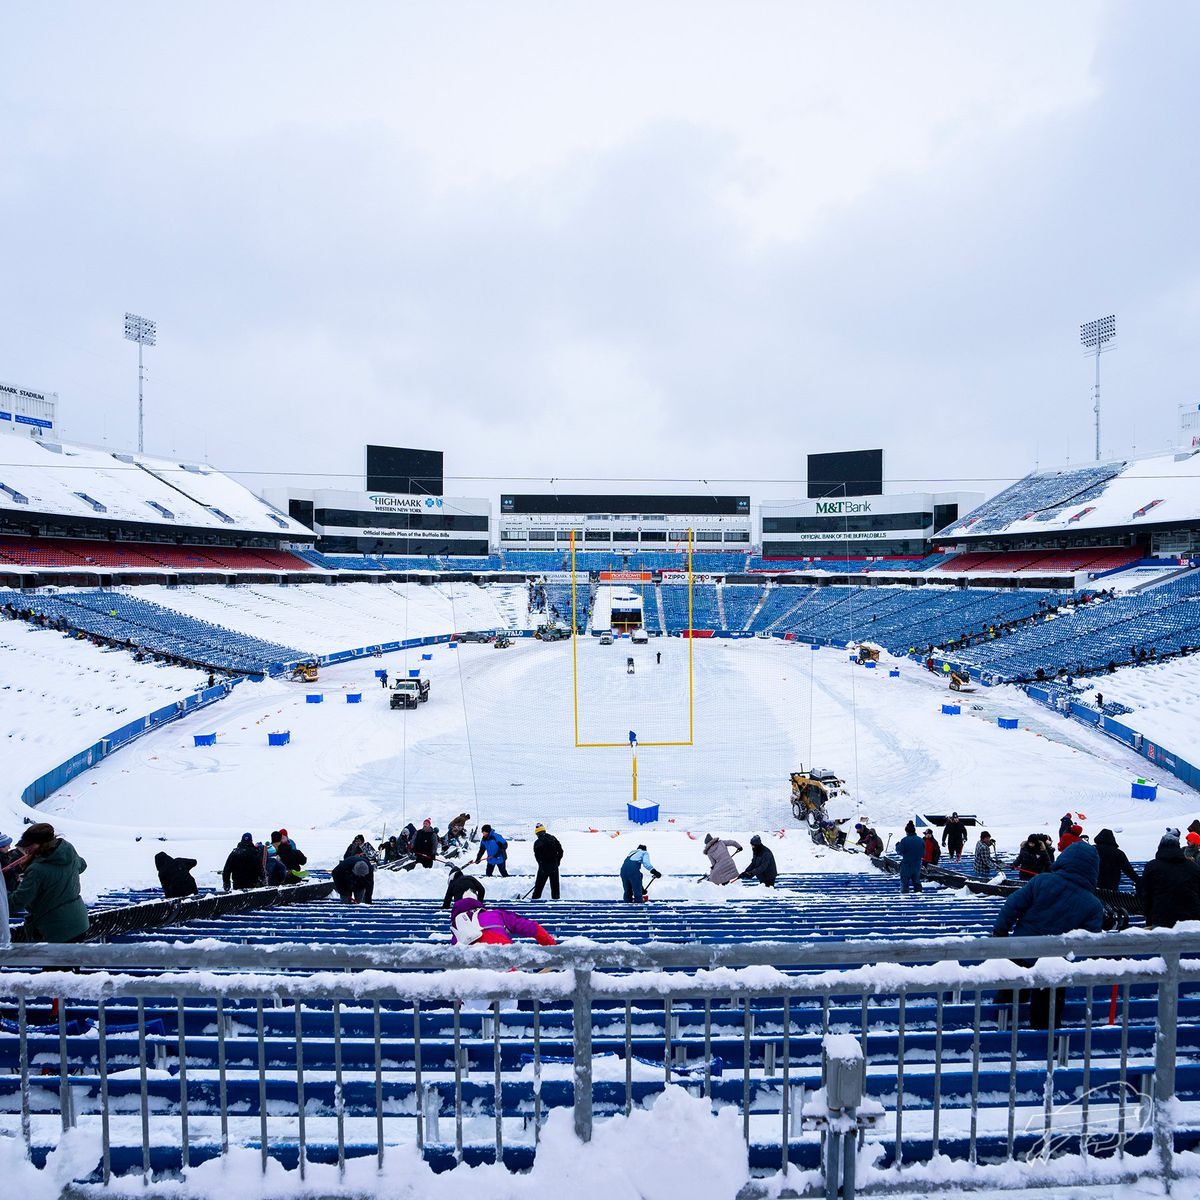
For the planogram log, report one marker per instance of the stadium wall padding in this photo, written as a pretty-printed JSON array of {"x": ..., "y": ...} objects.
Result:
[{"x": 1158, "y": 756}]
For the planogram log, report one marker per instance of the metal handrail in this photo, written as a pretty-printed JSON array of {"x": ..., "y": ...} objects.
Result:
[{"x": 655, "y": 956}]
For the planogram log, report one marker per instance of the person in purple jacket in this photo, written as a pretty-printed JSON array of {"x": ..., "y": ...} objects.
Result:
[{"x": 473, "y": 925}]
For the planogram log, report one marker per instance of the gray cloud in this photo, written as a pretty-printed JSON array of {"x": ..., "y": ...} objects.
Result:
[{"x": 580, "y": 268}]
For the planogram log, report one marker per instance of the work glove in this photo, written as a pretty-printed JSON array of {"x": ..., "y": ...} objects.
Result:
[
  {"x": 655, "y": 874},
  {"x": 543, "y": 938}
]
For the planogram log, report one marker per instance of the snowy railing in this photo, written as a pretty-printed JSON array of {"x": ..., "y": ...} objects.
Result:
[{"x": 394, "y": 1039}]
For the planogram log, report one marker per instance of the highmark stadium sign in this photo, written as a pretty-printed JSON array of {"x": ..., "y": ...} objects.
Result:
[{"x": 385, "y": 502}]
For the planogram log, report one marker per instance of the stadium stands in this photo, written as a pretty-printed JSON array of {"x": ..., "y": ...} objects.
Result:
[
  {"x": 740, "y": 601},
  {"x": 83, "y": 554},
  {"x": 705, "y": 613},
  {"x": 1095, "y": 561},
  {"x": 125, "y": 620},
  {"x": 1041, "y": 495},
  {"x": 1088, "y": 637},
  {"x": 947, "y": 1053},
  {"x": 840, "y": 566}
]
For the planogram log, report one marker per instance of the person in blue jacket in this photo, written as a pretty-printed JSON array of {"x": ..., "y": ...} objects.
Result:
[
  {"x": 495, "y": 846},
  {"x": 1059, "y": 901},
  {"x": 631, "y": 874},
  {"x": 912, "y": 853}
]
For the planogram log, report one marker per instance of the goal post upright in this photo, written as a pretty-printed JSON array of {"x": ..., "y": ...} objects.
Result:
[
  {"x": 574, "y": 641},
  {"x": 691, "y": 651}
]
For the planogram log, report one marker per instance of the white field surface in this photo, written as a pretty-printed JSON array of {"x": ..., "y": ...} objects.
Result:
[
  {"x": 497, "y": 740},
  {"x": 321, "y": 620}
]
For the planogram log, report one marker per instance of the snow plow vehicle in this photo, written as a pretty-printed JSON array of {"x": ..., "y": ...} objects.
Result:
[
  {"x": 811, "y": 792},
  {"x": 960, "y": 681},
  {"x": 408, "y": 693},
  {"x": 502, "y": 642},
  {"x": 867, "y": 652},
  {"x": 551, "y": 633},
  {"x": 305, "y": 672}
]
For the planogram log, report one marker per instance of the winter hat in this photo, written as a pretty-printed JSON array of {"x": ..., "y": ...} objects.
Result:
[
  {"x": 910, "y": 829},
  {"x": 1194, "y": 827},
  {"x": 1193, "y": 840},
  {"x": 283, "y": 833},
  {"x": 929, "y": 833},
  {"x": 5, "y": 841},
  {"x": 1171, "y": 835},
  {"x": 361, "y": 869},
  {"x": 427, "y": 824},
  {"x": 539, "y": 828},
  {"x": 41, "y": 834},
  {"x": 641, "y": 845},
  {"x": 247, "y": 837},
  {"x": 1077, "y": 830},
  {"x": 756, "y": 840},
  {"x": 271, "y": 851},
  {"x": 708, "y": 838}
]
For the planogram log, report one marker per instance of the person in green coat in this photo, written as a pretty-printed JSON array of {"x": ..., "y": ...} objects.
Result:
[{"x": 49, "y": 891}]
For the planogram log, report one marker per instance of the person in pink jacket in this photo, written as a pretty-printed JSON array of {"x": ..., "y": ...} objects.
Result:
[{"x": 473, "y": 925}]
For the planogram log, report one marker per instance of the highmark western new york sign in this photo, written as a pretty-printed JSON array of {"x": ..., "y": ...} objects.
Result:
[{"x": 382, "y": 500}]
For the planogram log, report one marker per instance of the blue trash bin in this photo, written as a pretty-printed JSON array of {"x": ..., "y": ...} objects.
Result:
[
  {"x": 279, "y": 739},
  {"x": 205, "y": 739},
  {"x": 951, "y": 710},
  {"x": 313, "y": 698},
  {"x": 354, "y": 697}
]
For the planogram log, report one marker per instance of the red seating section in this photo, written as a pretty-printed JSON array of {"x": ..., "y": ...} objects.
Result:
[
  {"x": 1041, "y": 561},
  {"x": 75, "y": 552}
]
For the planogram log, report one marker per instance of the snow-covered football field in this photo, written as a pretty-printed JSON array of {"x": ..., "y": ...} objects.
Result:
[{"x": 497, "y": 739}]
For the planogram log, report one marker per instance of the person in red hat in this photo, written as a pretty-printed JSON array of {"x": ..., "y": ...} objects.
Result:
[{"x": 1191, "y": 851}]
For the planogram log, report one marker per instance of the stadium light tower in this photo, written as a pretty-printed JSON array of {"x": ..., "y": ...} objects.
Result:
[
  {"x": 145, "y": 332},
  {"x": 1096, "y": 337}
]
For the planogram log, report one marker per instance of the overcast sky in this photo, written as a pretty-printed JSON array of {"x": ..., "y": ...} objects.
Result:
[{"x": 667, "y": 240}]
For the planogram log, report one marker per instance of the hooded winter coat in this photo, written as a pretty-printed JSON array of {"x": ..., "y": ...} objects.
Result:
[
  {"x": 175, "y": 875},
  {"x": 49, "y": 895},
  {"x": 1170, "y": 888},
  {"x": 761, "y": 866},
  {"x": 1113, "y": 862},
  {"x": 348, "y": 883},
  {"x": 498, "y": 924},
  {"x": 724, "y": 869},
  {"x": 1062, "y": 899},
  {"x": 244, "y": 867},
  {"x": 1032, "y": 860}
]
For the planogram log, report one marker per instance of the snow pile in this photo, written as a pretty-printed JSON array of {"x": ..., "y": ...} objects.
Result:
[
  {"x": 1163, "y": 697},
  {"x": 677, "y": 1147},
  {"x": 59, "y": 694}
]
